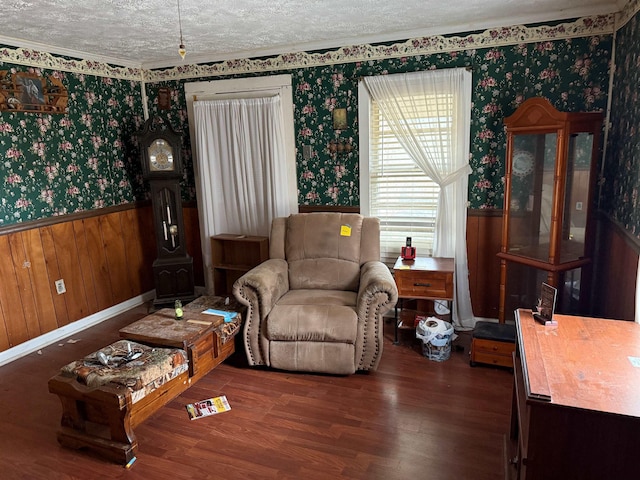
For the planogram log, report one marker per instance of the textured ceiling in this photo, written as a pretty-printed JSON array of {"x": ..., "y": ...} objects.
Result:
[{"x": 145, "y": 32}]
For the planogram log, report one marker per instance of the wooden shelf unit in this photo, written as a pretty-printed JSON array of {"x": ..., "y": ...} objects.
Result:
[{"x": 234, "y": 255}]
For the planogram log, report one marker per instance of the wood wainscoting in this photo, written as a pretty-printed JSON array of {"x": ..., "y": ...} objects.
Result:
[
  {"x": 615, "y": 266},
  {"x": 616, "y": 269},
  {"x": 104, "y": 257},
  {"x": 484, "y": 234}
]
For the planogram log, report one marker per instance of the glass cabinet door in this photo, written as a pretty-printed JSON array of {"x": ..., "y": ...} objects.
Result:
[
  {"x": 576, "y": 197},
  {"x": 532, "y": 187}
]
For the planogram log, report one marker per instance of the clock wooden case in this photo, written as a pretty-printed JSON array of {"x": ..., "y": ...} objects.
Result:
[
  {"x": 160, "y": 151},
  {"x": 547, "y": 226}
]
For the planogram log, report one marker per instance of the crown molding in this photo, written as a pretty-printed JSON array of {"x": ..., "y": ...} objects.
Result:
[
  {"x": 627, "y": 13},
  {"x": 392, "y": 37},
  {"x": 426, "y": 45},
  {"x": 37, "y": 57},
  {"x": 492, "y": 37}
]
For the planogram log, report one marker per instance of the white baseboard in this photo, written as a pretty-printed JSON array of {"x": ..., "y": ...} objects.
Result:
[{"x": 58, "y": 334}]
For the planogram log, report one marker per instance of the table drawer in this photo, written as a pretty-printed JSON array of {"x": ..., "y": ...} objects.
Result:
[
  {"x": 492, "y": 359},
  {"x": 417, "y": 284}
]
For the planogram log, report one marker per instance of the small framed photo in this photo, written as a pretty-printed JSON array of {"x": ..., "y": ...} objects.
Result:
[
  {"x": 546, "y": 305},
  {"x": 164, "y": 98},
  {"x": 339, "y": 118},
  {"x": 31, "y": 91}
]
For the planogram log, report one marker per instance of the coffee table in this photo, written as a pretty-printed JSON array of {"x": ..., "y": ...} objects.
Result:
[
  {"x": 103, "y": 418},
  {"x": 207, "y": 339}
]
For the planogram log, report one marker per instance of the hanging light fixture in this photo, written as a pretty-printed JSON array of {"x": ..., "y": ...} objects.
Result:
[{"x": 181, "y": 49}]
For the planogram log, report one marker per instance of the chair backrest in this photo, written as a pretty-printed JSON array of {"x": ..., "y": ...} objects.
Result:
[{"x": 325, "y": 250}]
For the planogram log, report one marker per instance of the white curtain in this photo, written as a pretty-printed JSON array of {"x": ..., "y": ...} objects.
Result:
[
  {"x": 242, "y": 168},
  {"x": 439, "y": 144}
]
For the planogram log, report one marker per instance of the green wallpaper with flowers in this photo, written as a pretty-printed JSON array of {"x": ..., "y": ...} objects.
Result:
[
  {"x": 622, "y": 167},
  {"x": 58, "y": 164},
  {"x": 573, "y": 74}
]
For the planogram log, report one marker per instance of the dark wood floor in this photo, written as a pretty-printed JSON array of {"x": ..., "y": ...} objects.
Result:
[{"x": 412, "y": 419}]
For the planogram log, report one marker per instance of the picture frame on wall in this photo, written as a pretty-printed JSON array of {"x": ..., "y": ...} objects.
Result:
[
  {"x": 339, "y": 118},
  {"x": 164, "y": 98},
  {"x": 30, "y": 88},
  {"x": 31, "y": 93}
]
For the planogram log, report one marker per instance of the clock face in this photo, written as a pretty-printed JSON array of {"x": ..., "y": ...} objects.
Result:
[
  {"x": 523, "y": 163},
  {"x": 160, "y": 156}
]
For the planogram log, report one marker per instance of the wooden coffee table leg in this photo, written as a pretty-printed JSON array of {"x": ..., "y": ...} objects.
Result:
[{"x": 98, "y": 419}]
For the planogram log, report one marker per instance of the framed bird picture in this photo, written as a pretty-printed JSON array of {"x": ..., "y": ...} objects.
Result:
[{"x": 31, "y": 93}]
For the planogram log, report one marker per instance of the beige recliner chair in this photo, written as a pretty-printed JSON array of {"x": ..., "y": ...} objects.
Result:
[{"x": 316, "y": 305}]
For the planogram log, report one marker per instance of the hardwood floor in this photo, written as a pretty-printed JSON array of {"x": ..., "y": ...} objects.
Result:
[{"x": 411, "y": 419}]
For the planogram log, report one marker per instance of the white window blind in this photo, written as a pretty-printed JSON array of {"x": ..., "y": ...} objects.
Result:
[{"x": 401, "y": 195}]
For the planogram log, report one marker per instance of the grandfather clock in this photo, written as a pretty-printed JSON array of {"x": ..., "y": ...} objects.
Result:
[{"x": 162, "y": 167}]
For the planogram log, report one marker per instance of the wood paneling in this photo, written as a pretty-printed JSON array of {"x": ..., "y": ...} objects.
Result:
[
  {"x": 115, "y": 250},
  {"x": 98, "y": 260},
  {"x": 483, "y": 243},
  {"x": 84, "y": 261},
  {"x": 16, "y": 326},
  {"x": 27, "y": 301},
  {"x": 104, "y": 260},
  {"x": 69, "y": 265},
  {"x": 34, "y": 255},
  {"x": 53, "y": 271},
  {"x": 614, "y": 282}
]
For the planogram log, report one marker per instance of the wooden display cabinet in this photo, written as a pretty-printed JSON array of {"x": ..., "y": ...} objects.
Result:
[
  {"x": 234, "y": 255},
  {"x": 547, "y": 226}
]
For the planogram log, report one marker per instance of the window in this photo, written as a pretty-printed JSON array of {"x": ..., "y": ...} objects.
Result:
[{"x": 399, "y": 193}]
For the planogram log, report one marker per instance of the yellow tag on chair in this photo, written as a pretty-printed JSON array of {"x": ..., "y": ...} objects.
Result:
[{"x": 345, "y": 231}]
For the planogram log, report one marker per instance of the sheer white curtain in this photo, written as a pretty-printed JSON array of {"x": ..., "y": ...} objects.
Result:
[
  {"x": 439, "y": 144},
  {"x": 244, "y": 177}
]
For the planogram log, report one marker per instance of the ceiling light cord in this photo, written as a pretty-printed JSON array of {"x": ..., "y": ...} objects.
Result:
[{"x": 182, "y": 51}]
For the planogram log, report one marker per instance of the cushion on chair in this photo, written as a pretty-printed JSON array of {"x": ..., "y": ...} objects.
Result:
[
  {"x": 142, "y": 375},
  {"x": 499, "y": 332},
  {"x": 319, "y": 297},
  {"x": 314, "y": 323},
  {"x": 323, "y": 251}
]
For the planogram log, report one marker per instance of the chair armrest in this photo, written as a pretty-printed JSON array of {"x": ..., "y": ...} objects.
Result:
[
  {"x": 259, "y": 289},
  {"x": 377, "y": 295},
  {"x": 265, "y": 283},
  {"x": 377, "y": 289}
]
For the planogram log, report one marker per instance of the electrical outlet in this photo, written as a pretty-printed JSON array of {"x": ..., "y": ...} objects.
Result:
[
  {"x": 60, "y": 288},
  {"x": 306, "y": 152},
  {"x": 579, "y": 206}
]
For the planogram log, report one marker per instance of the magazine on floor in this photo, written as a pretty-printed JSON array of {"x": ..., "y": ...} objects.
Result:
[{"x": 210, "y": 406}]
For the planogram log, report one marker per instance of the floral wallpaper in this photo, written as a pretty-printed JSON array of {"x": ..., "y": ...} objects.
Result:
[
  {"x": 55, "y": 164},
  {"x": 572, "y": 73},
  {"x": 622, "y": 167},
  {"x": 87, "y": 159}
]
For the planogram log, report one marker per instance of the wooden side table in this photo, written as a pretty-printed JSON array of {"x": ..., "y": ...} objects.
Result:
[{"x": 424, "y": 278}]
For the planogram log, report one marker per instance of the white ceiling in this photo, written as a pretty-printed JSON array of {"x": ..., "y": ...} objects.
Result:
[{"x": 146, "y": 33}]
